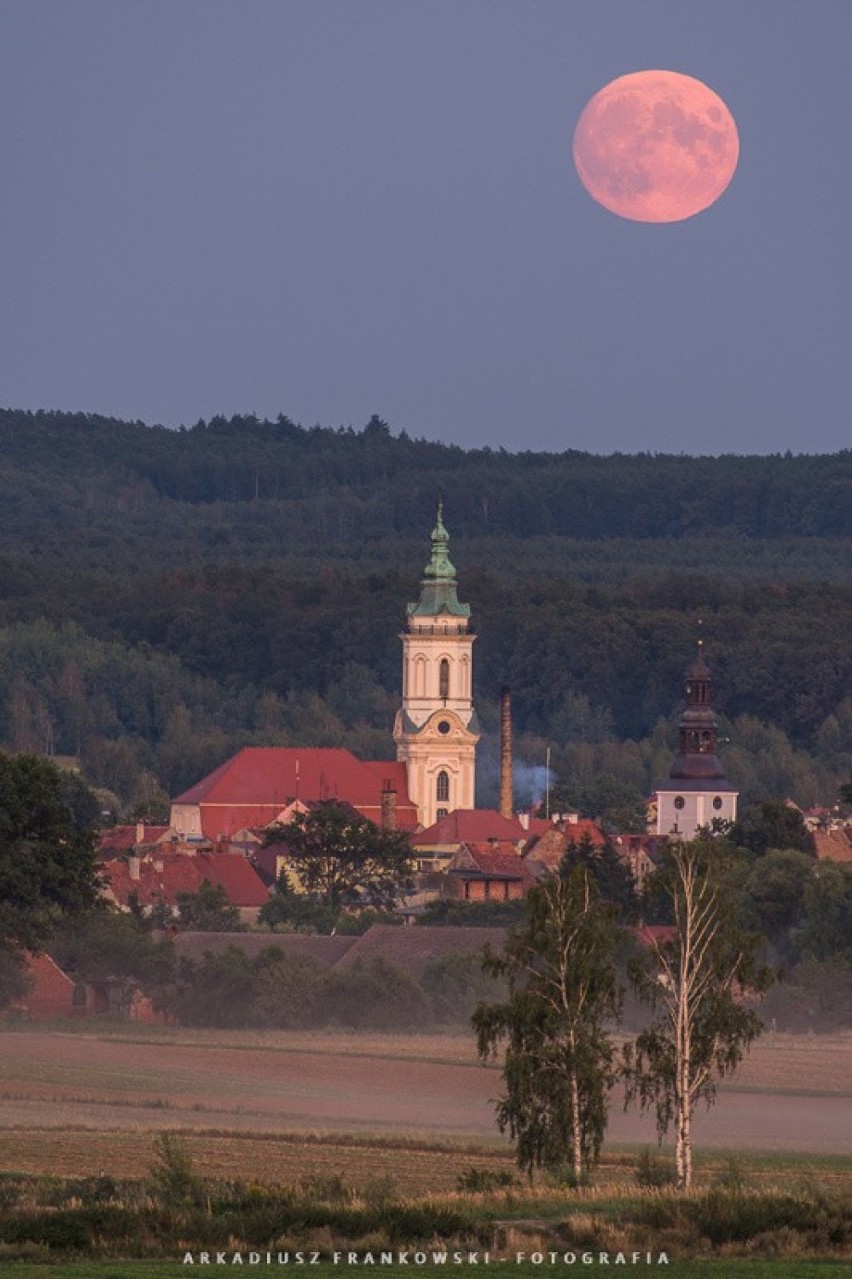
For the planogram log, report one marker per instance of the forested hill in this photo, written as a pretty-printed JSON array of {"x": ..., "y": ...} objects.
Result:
[
  {"x": 383, "y": 484},
  {"x": 168, "y": 596}
]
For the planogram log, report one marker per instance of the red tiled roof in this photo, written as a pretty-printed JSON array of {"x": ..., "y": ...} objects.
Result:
[
  {"x": 254, "y": 786},
  {"x": 162, "y": 877},
  {"x": 834, "y": 845},
  {"x": 490, "y": 861},
  {"x": 51, "y": 993},
  {"x": 549, "y": 848},
  {"x": 120, "y": 839},
  {"x": 465, "y": 825}
]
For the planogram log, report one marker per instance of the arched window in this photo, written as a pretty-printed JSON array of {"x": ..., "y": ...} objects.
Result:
[
  {"x": 444, "y": 678},
  {"x": 442, "y": 787}
]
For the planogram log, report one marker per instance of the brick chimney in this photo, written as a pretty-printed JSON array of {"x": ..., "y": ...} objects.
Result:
[
  {"x": 388, "y": 805},
  {"x": 506, "y": 754}
]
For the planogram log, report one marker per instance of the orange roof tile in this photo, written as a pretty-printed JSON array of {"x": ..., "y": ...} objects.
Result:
[
  {"x": 252, "y": 788},
  {"x": 469, "y": 824}
]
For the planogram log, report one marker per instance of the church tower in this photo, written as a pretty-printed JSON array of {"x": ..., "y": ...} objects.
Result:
[
  {"x": 436, "y": 729},
  {"x": 697, "y": 790}
]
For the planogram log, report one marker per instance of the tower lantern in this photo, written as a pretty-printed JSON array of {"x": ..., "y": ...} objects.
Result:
[{"x": 436, "y": 730}]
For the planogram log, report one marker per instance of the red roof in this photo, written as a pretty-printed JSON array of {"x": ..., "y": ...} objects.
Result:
[
  {"x": 163, "y": 876},
  {"x": 120, "y": 839},
  {"x": 252, "y": 788},
  {"x": 51, "y": 993},
  {"x": 490, "y": 861},
  {"x": 834, "y": 845},
  {"x": 465, "y": 825}
]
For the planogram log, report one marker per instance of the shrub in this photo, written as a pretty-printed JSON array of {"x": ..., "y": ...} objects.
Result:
[
  {"x": 172, "y": 1176},
  {"x": 482, "y": 1180},
  {"x": 654, "y": 1170}
]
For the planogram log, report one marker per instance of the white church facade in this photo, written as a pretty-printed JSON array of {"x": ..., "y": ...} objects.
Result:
[{"x": 436, "y": 729}]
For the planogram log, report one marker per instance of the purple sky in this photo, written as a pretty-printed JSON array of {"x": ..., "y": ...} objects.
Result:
[{"x": 333, "y": 208}]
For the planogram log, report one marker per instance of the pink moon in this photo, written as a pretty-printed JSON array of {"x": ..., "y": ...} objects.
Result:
[{"x": 656, "y": 146}]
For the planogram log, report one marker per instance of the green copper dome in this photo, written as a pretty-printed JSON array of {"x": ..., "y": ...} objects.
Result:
[{"x": 438, "y": 588}]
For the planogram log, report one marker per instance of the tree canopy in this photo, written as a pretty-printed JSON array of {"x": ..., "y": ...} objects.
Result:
[
  {"x": 342, "y": 858},
  {"x": 557, "y": 1068},
  {"x": 47, "y": 861}
]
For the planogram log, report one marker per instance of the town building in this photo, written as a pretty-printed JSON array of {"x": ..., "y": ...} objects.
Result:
[
  {"x": 265, "y": 784},
  {"x": 697, "y": 792},
  {"x": 436, "y": 729}
]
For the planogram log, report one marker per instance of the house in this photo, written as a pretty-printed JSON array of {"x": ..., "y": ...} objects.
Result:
[
  {"x": 160, "y": 878},
  {"x": 544, "y": 853},
  {"x": 489, "y": 872},
  {"x": 51, "y": 992},
  {"x": 435, "y": 846},
  {"x": 261, "y": 785},
  {"x": 834, "y": 845},
  {"x": 115, "y": 840}
]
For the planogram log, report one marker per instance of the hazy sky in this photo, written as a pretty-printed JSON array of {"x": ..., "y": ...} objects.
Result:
[{"x": 333, "y": 208}]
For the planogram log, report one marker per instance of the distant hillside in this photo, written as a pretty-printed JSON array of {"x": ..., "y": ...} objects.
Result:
[
  {"x": 384, "y": 484},
  {"x": 167, "y": 596}
]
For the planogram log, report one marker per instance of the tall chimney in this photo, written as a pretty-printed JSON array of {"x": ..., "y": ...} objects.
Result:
[
  {"x": 506, "y": 806},
  {"x": 388, "y": 805}
]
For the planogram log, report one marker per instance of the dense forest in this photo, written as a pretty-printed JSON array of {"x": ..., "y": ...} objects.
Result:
[{"x": 167, "y": 596}]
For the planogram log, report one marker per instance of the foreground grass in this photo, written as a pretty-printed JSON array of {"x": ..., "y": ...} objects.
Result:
[
  {"x": 46, "y": 1220},
  {"x": 677, "y": 1269}
]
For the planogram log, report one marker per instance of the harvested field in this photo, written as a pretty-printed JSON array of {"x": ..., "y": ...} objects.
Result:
[{"x": 89, "y": 1101}]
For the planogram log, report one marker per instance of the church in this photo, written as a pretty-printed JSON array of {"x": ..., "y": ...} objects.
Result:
[
  {"x": 436, "y": 733},
  {"x": 697, "y": 792}
]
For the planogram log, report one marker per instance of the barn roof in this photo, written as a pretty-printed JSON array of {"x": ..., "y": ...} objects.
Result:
[
  {"x": 413, "y": 947},
  {"x": 324, "y": 951}
]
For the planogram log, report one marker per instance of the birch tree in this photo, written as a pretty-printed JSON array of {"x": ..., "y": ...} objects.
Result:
[
  {"x": 559, "y": 1060},
  {"x": 694, "y": 976}
]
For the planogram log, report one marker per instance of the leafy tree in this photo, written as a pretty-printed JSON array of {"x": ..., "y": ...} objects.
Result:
[
  {"x": 616, "y": 804},
  {"x": 771, "y": 824},
  {"x": 295, "y": 912},
  {"x": 610, "y": 872},
  {"x": 208, "y": 911},
  {"x": 774, "y": 896},
  {"x": 558, "y": 1063},
  {"x": 344, "y": 859},
  {"x": 47, "y": 861},
  {"x": 446, "y": 911},
  {"x": 105, "y": 942},
  {"x": 695, "y": 982},
  {"x": 827, "y": 910}
]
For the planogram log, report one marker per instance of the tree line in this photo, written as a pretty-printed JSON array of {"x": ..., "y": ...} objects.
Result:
[{"x": 162, "y": 603}]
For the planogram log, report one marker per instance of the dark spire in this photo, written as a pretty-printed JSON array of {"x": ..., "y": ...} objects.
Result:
[{"x": 699, "y": 732}]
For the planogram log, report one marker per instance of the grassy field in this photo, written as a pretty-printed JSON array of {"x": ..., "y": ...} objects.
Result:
[
  {"x": 728, "y": 1269},
  {"x": 401, "y": 1116},
  {"x": 732, "y": 1268}
]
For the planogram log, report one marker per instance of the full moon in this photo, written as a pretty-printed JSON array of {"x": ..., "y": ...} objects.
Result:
[{"x": 656, "y": 146}]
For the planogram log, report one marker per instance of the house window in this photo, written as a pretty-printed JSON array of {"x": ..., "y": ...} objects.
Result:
[
  {"x": 679, "y": 801},
  {"x": 444, "y": 678},
  {"x": 441, "y": 812},
  {"x": 442, "y": 787},
  {"x": 717, "y": 802}
]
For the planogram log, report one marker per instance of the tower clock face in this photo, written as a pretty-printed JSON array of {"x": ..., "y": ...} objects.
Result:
[{"x": 444, "y": 726}]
